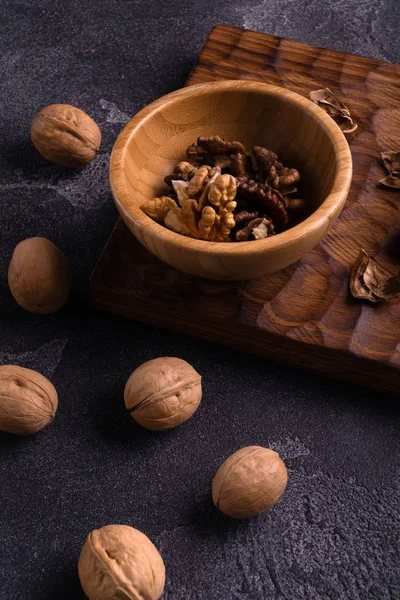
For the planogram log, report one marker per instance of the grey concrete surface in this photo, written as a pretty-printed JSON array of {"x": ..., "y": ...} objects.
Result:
[{"x": 335, "y": 532}]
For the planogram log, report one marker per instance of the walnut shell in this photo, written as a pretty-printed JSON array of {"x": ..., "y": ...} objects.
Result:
[
  {"x": 120, "y": 562},
  {"x": 28, "y": 401},
  {"x": 39, "y": 276},
  {"x": 249, "y": 482},
  {"x": 65, "y": 135},
  {"x": 163, "y": 393}
]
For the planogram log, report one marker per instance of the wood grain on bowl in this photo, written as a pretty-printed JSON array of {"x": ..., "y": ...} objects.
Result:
[
  {"x": 302, "y": 315},
  {"x": 253, "y": 113}
]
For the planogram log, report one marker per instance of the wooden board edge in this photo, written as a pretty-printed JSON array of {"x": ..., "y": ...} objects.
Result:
[{"x": 329, "y": 362}]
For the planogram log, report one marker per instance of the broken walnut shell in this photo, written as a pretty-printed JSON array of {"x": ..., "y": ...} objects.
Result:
[
  {"x": 335, "y": 108},
  {"x": 369, "y": 280},
  {"x": 65, "y": 135},
  {"x": 118, "y": 561},
  {"x": 28, "y": 401},
  {"x": 249, "y": 482},
  {"x": 39, "y": 276},
  {"x": 391, "y": 162},
  {"x": 163, "y": 393}
]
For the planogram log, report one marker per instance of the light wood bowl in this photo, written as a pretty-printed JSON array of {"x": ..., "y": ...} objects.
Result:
[{"x": 255, "y": 114}]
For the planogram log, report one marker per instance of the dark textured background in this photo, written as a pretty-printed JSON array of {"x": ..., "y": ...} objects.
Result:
[{"x": 335, "y": 533}]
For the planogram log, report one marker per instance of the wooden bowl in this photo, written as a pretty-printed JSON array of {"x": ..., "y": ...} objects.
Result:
[{"x": 254, "y": 113}]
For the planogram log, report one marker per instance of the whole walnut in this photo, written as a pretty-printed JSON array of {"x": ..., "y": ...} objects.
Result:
[
  {"x": 28, "y": 401},
  {"x": 163, "y": 393},
  {"x": 249, "y": 482},
  {"x": 65, "y": 135},
  {"x": 118, "y": 562},
  {"x": 39, "y": 276}
]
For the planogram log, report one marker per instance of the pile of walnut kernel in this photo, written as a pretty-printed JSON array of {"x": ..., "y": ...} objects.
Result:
[{"x": 223, "y": 193}]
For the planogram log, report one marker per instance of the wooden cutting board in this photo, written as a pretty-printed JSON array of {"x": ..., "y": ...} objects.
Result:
[{"x": 303, "y": 315}]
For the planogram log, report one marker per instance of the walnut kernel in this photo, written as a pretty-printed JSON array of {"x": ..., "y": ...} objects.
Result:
[{"x": 221, "y": 187}]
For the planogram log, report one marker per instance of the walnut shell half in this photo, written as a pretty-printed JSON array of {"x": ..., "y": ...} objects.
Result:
[
  {"x": 163, "y": 393},
  {"x": 65, "y": 135},
  {"x": 28, "y": 401},
  {"x": 120, "y": 562},
  {"x": 249, "y": 482},
  {"x": 39, "y": 276}
]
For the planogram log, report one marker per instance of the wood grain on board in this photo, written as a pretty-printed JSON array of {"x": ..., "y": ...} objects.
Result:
[{"x": 302, "y": 315}]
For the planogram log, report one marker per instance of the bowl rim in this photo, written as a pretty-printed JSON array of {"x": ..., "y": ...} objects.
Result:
[{"x": 322, "y": 216}]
